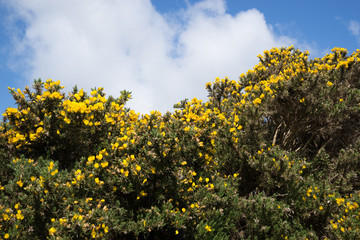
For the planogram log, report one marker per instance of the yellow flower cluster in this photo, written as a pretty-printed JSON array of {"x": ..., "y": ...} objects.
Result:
[
  {"x": 346, "y": 222},
  {"x": 9, "y": 215}
]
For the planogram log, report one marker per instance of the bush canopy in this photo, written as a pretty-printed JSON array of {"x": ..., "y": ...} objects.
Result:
[{"x": 274, "y": 155}]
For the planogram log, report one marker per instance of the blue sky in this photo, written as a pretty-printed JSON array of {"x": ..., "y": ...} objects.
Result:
[{"x": 161, "y": 50}]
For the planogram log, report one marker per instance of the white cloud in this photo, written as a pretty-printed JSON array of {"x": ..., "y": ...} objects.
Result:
[
  {"x": 129, "y": 45},
  {"x": 354, "y": 28}
]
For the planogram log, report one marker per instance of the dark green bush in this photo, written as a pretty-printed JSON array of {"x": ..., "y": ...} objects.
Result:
[{"x": 274, "y": 155}]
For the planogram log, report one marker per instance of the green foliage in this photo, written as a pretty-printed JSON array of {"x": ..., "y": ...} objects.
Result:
[{"x": 274, "y": 155}]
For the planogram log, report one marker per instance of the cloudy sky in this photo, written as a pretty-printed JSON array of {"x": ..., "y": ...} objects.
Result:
[{"x": 161, "y": 50}]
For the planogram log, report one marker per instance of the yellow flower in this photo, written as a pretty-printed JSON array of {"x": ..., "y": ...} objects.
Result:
[
  {"x": 39, "y": 130},
  {"x": 32, "y": 137},
  {"x": 257, "y": 101},
  {"x": 340, "y": 201},
  {"x": 329, "y": 83},
  {"x": 51, "y": 166},
  {"x": 6, "y": 217},
  {"x": 74, "y": 181},
  {"x": 54, "y": 172},
  {"x": 176, "y": 232},
  {"x": 97, "y": 181},
  {"x": 62, "y": 220},
  {"x": 6, "y": 236},
  {"x": 20, "y": 183},
  {"x": 138, "y": 168},
  {"x": 208, "y": 228},
  {"x": 96, "y": 165},
  {"x": 248, "y": 88},
  {"x": 74, "y": 217},
  {"x": 104, "y": 164},
  {"x": 99, "y": 157},
  {"x": 52, "y": 230},
  {"x": 67, "y": 120},
  {"x": 184, "y": 163},
  {"x": 125, "y": 163},
  {"x": 93, "y": 233},
  {"x": 19, "y": 216},
  {"x": 91, "y": 159}
]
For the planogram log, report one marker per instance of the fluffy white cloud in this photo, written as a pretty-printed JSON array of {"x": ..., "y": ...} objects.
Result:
[{"x": 128, "y": 45}]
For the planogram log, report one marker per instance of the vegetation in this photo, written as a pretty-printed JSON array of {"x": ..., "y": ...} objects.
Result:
[{"x": 275, "y": 155}]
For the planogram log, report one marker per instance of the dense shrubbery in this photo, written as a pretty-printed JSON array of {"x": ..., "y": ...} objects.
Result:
[{"x": 274, "y": 155}]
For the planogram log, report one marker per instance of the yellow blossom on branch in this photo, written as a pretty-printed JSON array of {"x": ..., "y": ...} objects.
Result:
[{"x": 208, "y": 228}]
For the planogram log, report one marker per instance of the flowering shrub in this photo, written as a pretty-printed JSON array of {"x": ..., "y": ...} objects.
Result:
[{"x": 274, "y": 155}]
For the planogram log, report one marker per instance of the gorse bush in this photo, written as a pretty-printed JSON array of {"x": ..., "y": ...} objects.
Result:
[{"x": 275, "y": 155}]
